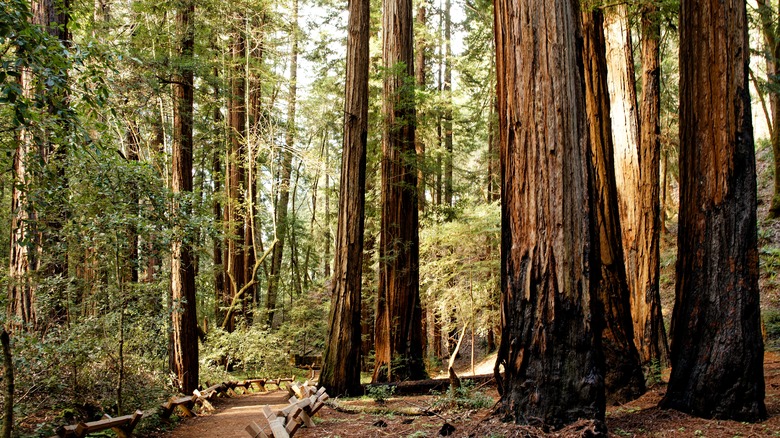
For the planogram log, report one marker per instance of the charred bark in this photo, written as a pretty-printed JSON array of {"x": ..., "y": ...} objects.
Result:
[
  {"x": 623, "y": 378},
  {"x": 550, "y": 342},
  {"x": 717, "y": 349}
]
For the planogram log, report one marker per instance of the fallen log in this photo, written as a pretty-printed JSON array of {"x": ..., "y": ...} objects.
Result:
[{"x": 410, "y": 387}]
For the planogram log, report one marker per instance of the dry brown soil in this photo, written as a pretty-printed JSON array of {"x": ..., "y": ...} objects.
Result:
[{"x": 403, "y": 417}]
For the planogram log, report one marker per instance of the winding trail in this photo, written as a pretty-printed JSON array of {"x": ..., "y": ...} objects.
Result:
[{"x": 231, "y": 416}]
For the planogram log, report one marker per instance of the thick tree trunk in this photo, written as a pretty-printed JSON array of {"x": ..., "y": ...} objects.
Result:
[
  {"x": 399, "y": 314},
  {"x": 717, "y": 348},
  {"x": 184, "y": 355},
  {"x": 341, "y": 363},
  {"x": 623, "y": 378},
  {"x": 550, "y": 343},
  {"x": 286, "y": 173},
  {"x": 639, "y": 231}
]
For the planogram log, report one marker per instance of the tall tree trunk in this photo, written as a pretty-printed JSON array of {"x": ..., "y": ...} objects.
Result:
[
  {"x": 399, "y": 313},
  {"x": 286, "y": 173},
  {"x": 184, "y": 356},
  {"x": 623, "y": 378},
  {"x": 221, "y": 297},
  {"x": 328, "y": 237},
  {"x": 21, "y": 293},
  {"x": 636, "y": 221},
  {"x": 419, "y": 78},
  {"x": 341, "y": 363},
  {"x": 29, "y": 227},
  {"x": 717, "y": 349},
  {"x": 550, "y": 343},
  {"x": 133, "y": 155},
  {"x": 770, "y": 29},
  {"x": 447, "y": 90},
  {"x": 645, "y": 274},
  {"x": 234, "y": 220}
]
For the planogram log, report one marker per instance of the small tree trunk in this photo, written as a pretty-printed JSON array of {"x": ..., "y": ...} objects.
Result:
[
  {"x": 447, "y": 91},
  {"x": 234, "y": 221},
  {"x": 419, "y": 75},
  {"x": 8, "y": 395},
  {"x": 286, "y": 174}
]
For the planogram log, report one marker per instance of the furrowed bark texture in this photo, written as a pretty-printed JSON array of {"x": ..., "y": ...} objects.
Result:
[
  {"x": 399, "y": 314},
  {"x": 623, "y": 378},
  {"x": 184, "y": 325},
  {"x": 717, "y": 348},
  {"x": 635, "y": 182},
  {"x": 341, "y": 364},
  {"x": 550, "y": 344}
]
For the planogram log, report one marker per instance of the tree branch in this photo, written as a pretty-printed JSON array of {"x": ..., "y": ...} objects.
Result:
[{"x": 240, "y": 293}]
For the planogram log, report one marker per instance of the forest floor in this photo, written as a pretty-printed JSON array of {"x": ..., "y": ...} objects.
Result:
[{"x": 426, "y": 415}]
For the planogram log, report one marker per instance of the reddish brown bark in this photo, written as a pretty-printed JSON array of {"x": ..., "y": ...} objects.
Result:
[
  {"x": 623, "y": 379},
  {"x": 637, "y": 177},
  {"x": 717, "y": 349},
  {"x": 398, "y": 328},
  {"x": 341, "y": 363},
  {"x": 550, "y": 343},
  {"x": 184, "y": 326},
  {"x": 644, "y": 278}
]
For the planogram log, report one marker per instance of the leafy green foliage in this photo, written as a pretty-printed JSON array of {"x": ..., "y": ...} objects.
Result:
[
  {"x": 459, "y": 267},
  {"x": 253, "y": 350},
  {"x": 465, "y": 397},
  {"x": 380, "y": 393}
]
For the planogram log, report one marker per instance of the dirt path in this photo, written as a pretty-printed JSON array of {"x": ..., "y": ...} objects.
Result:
[
  {"x": 231, "y": 416},
  {"x": 639, "y": 418}
]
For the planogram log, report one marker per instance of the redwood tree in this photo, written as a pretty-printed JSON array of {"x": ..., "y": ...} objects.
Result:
[
  {"x": 236, "y": 173},
  {"x": 623, "y": 378},
  {"x": 341, "y": 364},
  {"x": 636, "y": 172},
  {"x": 398, "y": 330},
  {"x": 184, "y": 326},
  {"x": 717, "y": 349},
  {"x": 550, "y": 343}
]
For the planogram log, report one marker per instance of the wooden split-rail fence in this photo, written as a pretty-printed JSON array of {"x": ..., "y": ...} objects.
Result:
[
  {"x": 124, "y": 425},
  {"x": 305, "y": 402}
]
